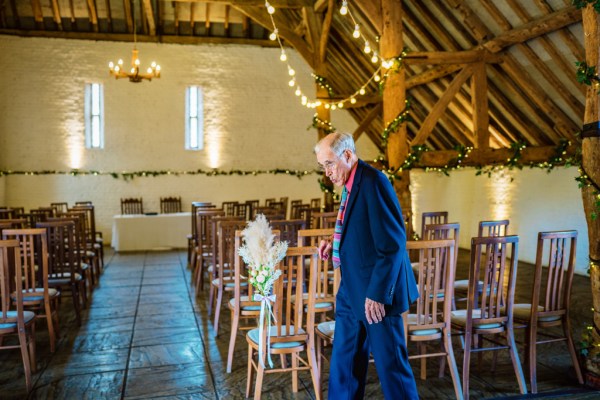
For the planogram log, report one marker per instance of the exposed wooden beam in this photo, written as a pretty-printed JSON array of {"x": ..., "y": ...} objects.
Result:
[
  {"x": 450, "y": 57},
  {"x": 193, "y": 16},
  {"x": 372, "y": 10},
  {"x": 56, "y": 15},
  {"x": 257, "y": 3},
  {"x": 470, "y": 19},
  {"x": 207, "y": 23},
  {"x": 246, "y": 26},
  {"x": 327, "y": 20},
  {"x": 431, "y": 75},
  {"x": 313, "y": 32},
  {"x": 538, "y": 27},
  {"x": 226, "y": 21},
  {"x": 566, "y": 34},
  {"x": 126, "y": 37},
  {"x": 439, "y": 108},
  {"x": 480, "y": 157},
  {"x": 128, "y": 15},
  {"x": 479, "y": 101},
  {"x": 320, "y": 5},
  {"x": 297, "y": 42},
  {"x": 149, "y": 17},
  {"x": 37, "y": 14},
  {"x": 373, "y": 113},
  {"x": 93, "y": 13},
  {"x": 15, "y": 13},
  {"x": 109, "y": 15}
]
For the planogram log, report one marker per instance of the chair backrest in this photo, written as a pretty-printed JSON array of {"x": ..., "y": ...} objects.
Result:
[
  {"x": 170, "y": 205},
  {"x": 272, "y": 214},
  {"x": 312, "y": 237},
  {"x": 494, "y": 263},
  {"x": 227, "y": 206},
  {"x": 16, "y": 223},
  {"x": 7, "y": 213},
  {"x": 241, "y": 210},
  {"x": 252, "y": 206},
  {"x": 90, "y": 222},
  {"x": 240, "y": 271},
  {"x": 554, "y": 268},
  {"x": 11, "y": 274},
  {"x": 435, "y": 282},
  {"x": 315, "y": 203},
  {"x": 433, "y": 217},
  {"x": 444, "y": 231},
  {"x": 493, "y": 228},
  {"x": 289, "y": 229},
  {"x": 40, "y": 215},
  {"x": 60, "y": 207},
  {"x": 197, "y": 205},
  {"x": 227, "y": 251},
  {"x": 269, "y": 201},
  {"x": 132, "y": 206},
  {"x": 297, "y": 262},
  {"x": 64, "y": 258},
  {"x": 203, "y": 228},
  {"x": 284, "y": 202},
  {"x": 84, "y": 203},
  {"x": 34, "y": 260},
  {"x": 323, "y": 219}
]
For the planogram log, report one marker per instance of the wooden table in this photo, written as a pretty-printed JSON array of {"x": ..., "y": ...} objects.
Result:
[{"x": 150, "y": 232}]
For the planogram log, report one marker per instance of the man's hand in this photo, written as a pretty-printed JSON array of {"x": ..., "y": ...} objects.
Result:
[
  {"x": 325, "y": 249},
  {"x": 374, "y": 311}
]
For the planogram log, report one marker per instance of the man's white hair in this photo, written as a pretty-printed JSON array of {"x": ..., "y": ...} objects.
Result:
[{"x": 341, "y": 142}]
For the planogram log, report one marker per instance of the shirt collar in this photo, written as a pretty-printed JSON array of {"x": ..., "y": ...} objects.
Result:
[{"x": 350, "y": 180}]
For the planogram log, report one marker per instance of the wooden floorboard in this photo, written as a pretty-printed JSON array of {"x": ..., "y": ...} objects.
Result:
[{"x": 147, "y": 335}]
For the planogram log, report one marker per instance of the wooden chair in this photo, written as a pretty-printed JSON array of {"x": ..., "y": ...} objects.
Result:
[
  {"x": 40, "y": 215},
  {"x": 272, "y": 214},
  {"x": 284, "y": 202},
  {"x": 7, "y": 213},
  {"x": 287, "y": 333},
  {"x": 433, "y": 217},
  {"x": 241, "y": 210},
  {"x": 170, "y": 205},
  {"x": 132, "y": 206},
  {"x": 60, "y": 207},
  {"x": 94, "y": 240},
  {"x": 242, "y": 304},
  {"x": 431, "y": 319},
  {"x": 84, "y": 203},
  {"x": 312, "y": 237},
  {"x": 88, "y": 259},
  {"x": 550, "y": 300},
  {"x": 202, "y": 255},
  {"x": 252, "y": 206},
  {"x": 14, "y": 319},
  {"x": 289, "y": 229},
  {"x": 269, "y": 201},
  {"x": 191, "y": 238},
  {"x": 494, "y": 263},
  {"x": 493, "y": 228},
  {"x": 442, "y": 232},
  {"x": 65, "y": 272},
  {"x": 37, "y": 295},
  {"x": 322, "y": 220},
  {"x": 315, "y": 204},
  {"x": 227, "y": 206},
  {"x": 16, "y": 223},
  {"x": 224, "y": 279}
]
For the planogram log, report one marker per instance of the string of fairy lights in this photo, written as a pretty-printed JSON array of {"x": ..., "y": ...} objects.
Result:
[{"x": 333, "y": 104}]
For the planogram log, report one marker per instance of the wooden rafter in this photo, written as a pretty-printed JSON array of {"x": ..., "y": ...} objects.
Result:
[
  {"x": 193, "y": 16},
  {"x": 226, "y": 21},
  {"x": 93, "y": 14},
  {"x": 128, "y": 15},
  {"x": 109, "y": 19},
  {"x": 15, "y": 13},
  {"x": 56, "y": 14},
  {"x": 257, "y": 3},
  {"x": 313, "y": 30},
  {"x": 327, "y": 21},
  {"x": 373, "y": 113},
  {"x": 37, "y": 13},
  {"x": 207, "y": 22},
  {"x": 149, "y": 17},
  {"x": 479, "y": 101}
]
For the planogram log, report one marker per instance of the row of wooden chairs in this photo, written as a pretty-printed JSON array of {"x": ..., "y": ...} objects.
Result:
[
  {"x": 168, "y": 205},
  {"x": 57, "y": 256}
]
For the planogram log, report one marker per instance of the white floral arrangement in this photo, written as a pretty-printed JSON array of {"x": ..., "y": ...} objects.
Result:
[{"x": 261, "y": 254}]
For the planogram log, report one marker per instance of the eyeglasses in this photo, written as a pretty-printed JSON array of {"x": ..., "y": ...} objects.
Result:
[{"x": 328, "y": 166}]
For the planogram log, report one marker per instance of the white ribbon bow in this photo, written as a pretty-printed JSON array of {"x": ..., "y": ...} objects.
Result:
[{"x": 265, "y": 303}]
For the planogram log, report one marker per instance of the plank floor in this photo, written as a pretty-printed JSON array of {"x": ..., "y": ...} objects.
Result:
[{"x": 147, "y": 335}]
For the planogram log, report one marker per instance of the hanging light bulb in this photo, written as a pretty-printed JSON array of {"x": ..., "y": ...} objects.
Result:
[
  {"x": 367, "y": 49},
  {"x": 362, "y": 91},
  {"x": 327, "y": 106},
  {"x": 377, "y": 78},
  {"x": 298, "y": 92},
  {"x": 353, "y": 100},
  {"x": 292, "y": 82},
  {"x": 340, "y": 105},
  {"x": 270, "y": 8},
  {"x": 333, "y": 107},
  {"x": 304, "y": 100},
  {"x": 344, "y": 8},
  {"x": 291, "y": 71},
  {"x": 374, "y": 59},
  {"x": 273, "y": 35},
  {"x": 356, "y": 33},
  {"x": 283, "y": 56}
]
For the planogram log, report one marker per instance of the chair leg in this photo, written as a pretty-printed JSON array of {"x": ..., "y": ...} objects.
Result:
[
  {"x": 250, "y": 372},
  {"x": 571, "y": 346},
  {"x": 235, "y": 321},
  {"x": 211, "y": 295},
  {"x": 514, "y": 355},
  {"x": 294, "y": 372},
  {"x": 26, "y": 360},
  {"x": 75, "y": 295},
  {"x": 260, "y": 373},
  {"x": 32, "y": 355},
  {"x": 466, "y": 365},
  {"x": 218, "y": 310},
  {"x": 447, "y": 344},
  {"x": 49, "y": 319},
  {"x": 423, "y": 351},
  {"x": 314, "y": 371},
  {"x": 531, "y": 356}
]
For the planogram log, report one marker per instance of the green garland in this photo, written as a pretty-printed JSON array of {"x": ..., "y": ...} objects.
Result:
[
  {"x": 393, "y": 126},
  {"x": 587, "y": 75},
  {"x": 454, "y": 164},
  {"x": 583, "y": 3},
  {"x": 127, "y": 176},
  {"x": 397, "y": 63},
  {"x": 584, "y": 180},
  {"x": 318, "y": 123},
  {"x": 322, "y": 82}
]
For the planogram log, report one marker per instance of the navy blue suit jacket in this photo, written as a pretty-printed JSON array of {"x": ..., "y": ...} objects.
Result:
[{"x": 373, "y": 254}]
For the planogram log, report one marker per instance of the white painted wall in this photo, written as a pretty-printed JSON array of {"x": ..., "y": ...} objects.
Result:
[{"x": 533, "y": 201}]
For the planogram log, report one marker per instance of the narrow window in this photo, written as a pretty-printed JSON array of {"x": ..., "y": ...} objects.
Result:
[
  {"x": 94, "y": 116},
  {"x": 194, "y": 119}
]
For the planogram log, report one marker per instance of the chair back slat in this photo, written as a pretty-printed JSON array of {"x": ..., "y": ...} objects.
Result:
[
  {"x": 170, "y": 205},
  {"x": 34, "y": 258},
  {"x": 289, "y": 229},
  {"x": 433, "y": 217},
  {"x": 132, "y": 206},
  {"x": 493, "y": 228}
]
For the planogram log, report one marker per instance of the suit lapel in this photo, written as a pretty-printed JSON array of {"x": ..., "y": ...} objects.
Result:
[{"x": 353, "y": 194}]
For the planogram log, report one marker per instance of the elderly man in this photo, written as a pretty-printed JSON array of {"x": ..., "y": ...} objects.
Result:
[{"x": 369, "y": 245}]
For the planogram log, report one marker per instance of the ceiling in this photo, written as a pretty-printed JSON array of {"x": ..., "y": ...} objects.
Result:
[{"x": 528, "y": 47}]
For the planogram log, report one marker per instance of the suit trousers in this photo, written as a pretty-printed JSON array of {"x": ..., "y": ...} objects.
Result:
[{"x": 353, "y": 342}]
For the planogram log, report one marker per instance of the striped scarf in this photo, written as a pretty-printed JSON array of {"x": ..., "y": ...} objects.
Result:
[{"x": 337, "y": 233}]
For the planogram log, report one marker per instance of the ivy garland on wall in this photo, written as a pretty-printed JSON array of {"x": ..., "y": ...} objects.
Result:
[{"x": 127, "y": 176}]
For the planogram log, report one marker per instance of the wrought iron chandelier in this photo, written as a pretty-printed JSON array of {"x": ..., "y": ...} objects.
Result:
[{"x": 134, "y": 73}]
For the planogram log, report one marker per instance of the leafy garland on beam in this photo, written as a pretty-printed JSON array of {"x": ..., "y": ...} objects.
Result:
[
  {"x": 583, "y": 3},
  {"x": 318, "y": 123},
  {"x": 127, "y": 176},
  {"x": 454, "y": 164},
  {"x": 393, "y": 126},
  {"x": 587, "y": 75},
  {"x": 584, "y": 180},
  {"x": 396, "y": 63},
  {"x": 322, "y": 82}
]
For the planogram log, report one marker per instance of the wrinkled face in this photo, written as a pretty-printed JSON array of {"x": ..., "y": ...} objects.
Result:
[{"x": 337, "y": 169}]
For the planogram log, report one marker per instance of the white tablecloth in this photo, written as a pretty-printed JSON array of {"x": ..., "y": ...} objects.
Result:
[{"x": 151, "y": 232}]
